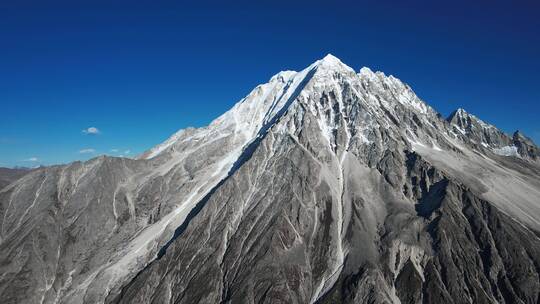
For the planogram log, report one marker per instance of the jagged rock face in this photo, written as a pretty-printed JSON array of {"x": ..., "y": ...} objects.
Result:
[
  {"x": 484, "y": 136},
  {"x": 478, "y": 131},
  {"x": 324, "y": 185},
  {"x": 525, "y": 146}
]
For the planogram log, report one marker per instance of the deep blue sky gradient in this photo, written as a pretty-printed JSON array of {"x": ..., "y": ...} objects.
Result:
[{"x": 139, "y": 71}]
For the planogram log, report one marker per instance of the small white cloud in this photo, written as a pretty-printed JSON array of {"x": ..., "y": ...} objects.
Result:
[
  {"x": 114, "y": 150},
  {"x": 32, "y": 159},
  {"x": 127, "y": 151},
  {"x": 91, "y": 131},
  {"x": 87, "y": 151}
]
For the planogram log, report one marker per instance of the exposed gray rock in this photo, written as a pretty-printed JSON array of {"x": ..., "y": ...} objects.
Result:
[
  {"x": 484, "y": 136},
  {"x": 525, "y": 146},
  {"x": 478, "y": 131},
  {"x": 324, "y": 185},
  {"x": 8, "y": 175}
]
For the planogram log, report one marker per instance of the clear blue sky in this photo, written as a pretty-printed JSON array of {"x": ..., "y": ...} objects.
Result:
[{"x": 139, "y": 71}]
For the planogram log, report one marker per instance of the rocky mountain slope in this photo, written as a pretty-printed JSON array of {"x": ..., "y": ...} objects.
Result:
[
  {"x": 488, "y": 136},
  {"x": 9, "y": 175},
  {"x": 320, "y": 186}
]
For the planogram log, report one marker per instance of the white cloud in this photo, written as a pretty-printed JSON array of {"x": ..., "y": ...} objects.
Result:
[
  {"x": 127, "y": 151},
  {"x": 32, "y": 159},
  {"x": 114, "y": 150},
  {"x": 87, "y": 151},
  {"x": 91, "y": 131}
]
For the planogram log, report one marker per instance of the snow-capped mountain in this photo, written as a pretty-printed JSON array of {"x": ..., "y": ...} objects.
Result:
[{"x": 325, "y": 185}]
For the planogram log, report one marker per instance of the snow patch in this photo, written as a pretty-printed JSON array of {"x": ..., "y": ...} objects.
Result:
[{"x": 507, "y": 151}]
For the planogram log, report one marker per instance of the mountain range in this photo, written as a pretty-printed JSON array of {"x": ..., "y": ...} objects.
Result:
[{"x": 325, "y": 185}]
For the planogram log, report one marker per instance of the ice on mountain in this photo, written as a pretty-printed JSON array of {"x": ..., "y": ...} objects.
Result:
[{"x": 507, "y": 151}]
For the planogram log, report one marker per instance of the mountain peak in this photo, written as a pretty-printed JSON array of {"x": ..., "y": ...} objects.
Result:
[
  {"x": 330, "y": 62},
  {"x": 331, "y": 59},
  {"x": 479, "y": 131},
  {"x": 464, "y": 119},
  {"x": 459, "y": 112}
]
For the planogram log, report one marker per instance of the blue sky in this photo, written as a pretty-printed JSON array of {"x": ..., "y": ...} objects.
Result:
[{"x": 139, "y": 71}]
